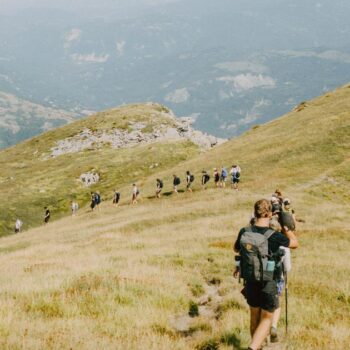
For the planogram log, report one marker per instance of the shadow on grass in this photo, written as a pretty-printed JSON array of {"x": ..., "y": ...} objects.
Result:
[{"x": 166, "y": 194}]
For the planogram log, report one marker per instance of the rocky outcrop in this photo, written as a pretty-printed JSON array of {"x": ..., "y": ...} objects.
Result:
[
  {"x": 89, "y": 179},
  {"x": 176, "y": 129}
]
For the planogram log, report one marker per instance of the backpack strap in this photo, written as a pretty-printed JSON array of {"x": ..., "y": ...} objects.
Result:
[{"x": 269, "y": 233}]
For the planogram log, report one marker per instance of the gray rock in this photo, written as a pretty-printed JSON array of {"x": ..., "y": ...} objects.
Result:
[
  {"x": 116, "y": 138},
  {"x": 89, "y": 179}
]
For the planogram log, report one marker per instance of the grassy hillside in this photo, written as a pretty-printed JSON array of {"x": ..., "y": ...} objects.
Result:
[
  {"x": 30, "y": 179},
  {"x": 126, "y": 278}
]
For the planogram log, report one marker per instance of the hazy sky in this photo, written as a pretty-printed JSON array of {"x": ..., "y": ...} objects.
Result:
[{"x": 77, "y": 5}]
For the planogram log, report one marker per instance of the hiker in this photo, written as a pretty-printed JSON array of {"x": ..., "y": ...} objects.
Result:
[
  {"x": 74, "y": 208},
  {"x": 205, "y": 178},
  {"x": 284, "y": 220},
  {"x": 97, "y": 200},
  {"x": 189, "y": 180},
  {"x": 279, "y": 196},
  {"x": 47, "y": 215},
  {"x": 159, "y": 187},
  {"x": 235, "y": 173},
  {"x": 216, "y": 177},
  {"x": 18, "y": 225},
  {"x": 176, "y": 182},
  {"x": 223, "y": 176},
  {"x": 93, "y": 201},
  {"x": 116, "y": 198},
  {"x": 276, "y": 206},
  {"x": 260, "y": 289},
  {"x": 287, "y": 207},
  {"x": 135, "y": 194}
]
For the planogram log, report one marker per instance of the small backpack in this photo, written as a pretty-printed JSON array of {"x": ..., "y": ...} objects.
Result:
[
  {"x": 97, "y": 198},
  {"x": 191, "y": 178},
  {"x": 161, "y": 184},
  {"x": 237, "y": 175},
  {"x": 254, "y": 253},
  {"x": 177, "y": 181}
]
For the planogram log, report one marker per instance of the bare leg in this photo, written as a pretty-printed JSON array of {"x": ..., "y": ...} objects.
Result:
[
  {"x": 254, "y": 319},
  {"x": 276, "y": 317},
  {"x": 262, "y": 330}
]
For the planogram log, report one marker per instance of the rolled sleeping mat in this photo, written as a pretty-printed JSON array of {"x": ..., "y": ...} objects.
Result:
[
  {"x": 287, "y": 220},
  {"x": 286, "y": 259}
]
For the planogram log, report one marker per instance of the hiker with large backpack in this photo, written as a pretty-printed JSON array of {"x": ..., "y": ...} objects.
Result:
[
  {"x": 189, "y": 180},
  {"x": 205, "y": 178},
  {"x": 176, "y": 183},
  {"x": 159, "y": 189},
  {"x": 259, "y": 265},
  {"x": 235, "y": 173}
]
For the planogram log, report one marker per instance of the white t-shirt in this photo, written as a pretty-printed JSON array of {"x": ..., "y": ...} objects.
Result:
[{"x": 18, "y": 224}]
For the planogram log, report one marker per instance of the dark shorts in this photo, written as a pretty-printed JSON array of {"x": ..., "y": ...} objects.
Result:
[
  {"x": 235, "y": 181},
  {"x": 263, "y": 295}
]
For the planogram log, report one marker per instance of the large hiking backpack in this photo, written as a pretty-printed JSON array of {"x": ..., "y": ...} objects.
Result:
[
  {"x": 254, "y": 253},
  {"x": 191, "y": 178},
  {"x": 97, "y": 198},
  {"x": 177, "y": 181},
  {"x": 161, "y": 184}
]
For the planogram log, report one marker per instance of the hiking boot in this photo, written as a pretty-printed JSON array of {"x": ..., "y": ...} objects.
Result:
[{"x": 273, "y": 335}]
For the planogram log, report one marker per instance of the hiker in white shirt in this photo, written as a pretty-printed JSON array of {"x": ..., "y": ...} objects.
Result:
[{"x": 18, "y": 226}]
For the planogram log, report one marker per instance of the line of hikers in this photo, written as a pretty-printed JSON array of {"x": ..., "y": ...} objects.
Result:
[
  {"x": 220, "y": 179},
  {"x": 263, "y": 262}
]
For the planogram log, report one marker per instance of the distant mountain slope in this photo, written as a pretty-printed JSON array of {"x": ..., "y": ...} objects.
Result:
[
  {"x": 21, "y": 119},
  {"x": 232, "y": 64}
]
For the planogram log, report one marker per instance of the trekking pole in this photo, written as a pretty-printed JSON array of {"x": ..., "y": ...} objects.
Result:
[{"x": 286, "y": 296}]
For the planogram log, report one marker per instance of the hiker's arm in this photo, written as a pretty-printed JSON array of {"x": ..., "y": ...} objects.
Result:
[
  {"x": 293, "y": 240},
  {"x": 236, "y": 245}
]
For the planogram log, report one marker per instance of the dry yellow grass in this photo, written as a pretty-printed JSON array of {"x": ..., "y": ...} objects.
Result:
[
  {"x": 126, "y": 278},
  {"x": 116, "y": 279}
]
